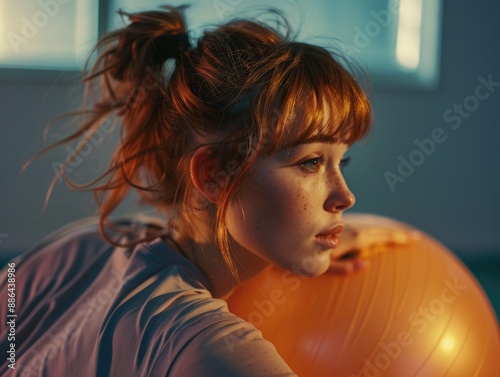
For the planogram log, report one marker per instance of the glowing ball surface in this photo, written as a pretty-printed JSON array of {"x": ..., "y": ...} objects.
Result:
[{"x": 415, "y": 311}]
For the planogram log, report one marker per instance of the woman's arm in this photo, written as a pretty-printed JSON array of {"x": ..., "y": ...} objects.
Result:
[
  {"x": 365, "y": 234},
  {"x": 231, "y": 347}
]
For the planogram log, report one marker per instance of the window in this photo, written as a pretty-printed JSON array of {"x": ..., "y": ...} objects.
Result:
[
  {"x": 397, "y": 41},
  {"x": 46, "y": 35}
]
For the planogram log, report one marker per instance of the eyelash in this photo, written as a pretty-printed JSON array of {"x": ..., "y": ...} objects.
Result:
[
  {"x": 318, "y": 161},
  {"x": 344, "y": 162}
]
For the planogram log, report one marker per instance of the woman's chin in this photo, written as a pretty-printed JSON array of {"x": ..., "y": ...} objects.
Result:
[{"x": 312, "y": 266}]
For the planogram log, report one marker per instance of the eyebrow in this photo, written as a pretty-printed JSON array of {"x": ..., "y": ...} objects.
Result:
[
  {"x": 321, "y": 139},
  {"x": 286, "y": 150},
  {"x": 316, "y": 139}
]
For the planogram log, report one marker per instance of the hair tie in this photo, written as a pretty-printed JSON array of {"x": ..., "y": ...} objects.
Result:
[{"x": 172, "y": 46}]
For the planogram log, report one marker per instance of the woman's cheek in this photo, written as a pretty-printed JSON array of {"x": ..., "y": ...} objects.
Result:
[{"x": 307, "y": 196}]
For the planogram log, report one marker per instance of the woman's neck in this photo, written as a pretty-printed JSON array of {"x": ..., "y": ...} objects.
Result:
[{"x": 208, "y": 258}]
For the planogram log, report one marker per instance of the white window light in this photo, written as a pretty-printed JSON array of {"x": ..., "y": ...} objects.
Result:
[
  {"x": 408, "y": 34},
  {"x": 47, "y": 34}
]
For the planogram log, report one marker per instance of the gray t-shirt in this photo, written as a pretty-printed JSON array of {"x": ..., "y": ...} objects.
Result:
[{"x": 87, "y": 308}]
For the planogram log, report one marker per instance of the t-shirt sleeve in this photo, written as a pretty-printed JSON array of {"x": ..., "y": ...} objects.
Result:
[{"x": 228, "y": 346}]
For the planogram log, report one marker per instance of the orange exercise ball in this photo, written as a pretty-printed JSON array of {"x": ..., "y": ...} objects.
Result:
[{"x": 415, "y": 311}]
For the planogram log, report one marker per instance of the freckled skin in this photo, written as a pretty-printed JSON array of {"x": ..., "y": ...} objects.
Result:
[{"x": 287, "y": 203}]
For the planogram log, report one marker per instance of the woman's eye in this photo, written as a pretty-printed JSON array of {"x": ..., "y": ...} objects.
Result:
[
  {"x": 344, "y": 162},
  {"x": 312, "y": 164}
]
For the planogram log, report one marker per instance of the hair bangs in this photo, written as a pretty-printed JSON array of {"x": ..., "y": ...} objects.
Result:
[{"x": 319, "y": 100}]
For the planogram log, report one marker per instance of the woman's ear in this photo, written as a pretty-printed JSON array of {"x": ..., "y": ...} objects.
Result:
[{"x": 203, "y": 168}]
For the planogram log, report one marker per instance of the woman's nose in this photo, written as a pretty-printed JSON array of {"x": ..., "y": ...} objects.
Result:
[{"x": 340, "y": 199}]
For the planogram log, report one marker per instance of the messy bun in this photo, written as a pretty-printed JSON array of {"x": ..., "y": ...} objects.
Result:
[{"x": 243, "y": 91}]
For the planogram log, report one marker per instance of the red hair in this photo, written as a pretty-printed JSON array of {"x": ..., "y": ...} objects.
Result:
[{"x": 245, "y": 90}]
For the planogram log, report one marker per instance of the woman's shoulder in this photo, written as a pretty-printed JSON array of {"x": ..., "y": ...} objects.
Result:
[
  {"x": 218, "y": 343},
  {"x": 151, "y": 301}
]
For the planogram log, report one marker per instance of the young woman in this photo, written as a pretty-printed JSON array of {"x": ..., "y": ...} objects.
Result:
[{"x": 239, "y": 140}]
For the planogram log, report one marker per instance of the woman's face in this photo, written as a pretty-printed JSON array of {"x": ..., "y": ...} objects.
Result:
[{"x": 287, "y": 212}]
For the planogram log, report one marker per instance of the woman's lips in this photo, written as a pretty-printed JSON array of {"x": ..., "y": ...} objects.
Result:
[{"x": 329, "y": 239}]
